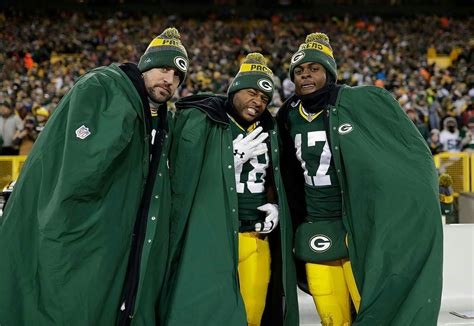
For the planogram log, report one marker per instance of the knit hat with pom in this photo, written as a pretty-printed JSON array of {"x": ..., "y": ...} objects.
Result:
[
  {"x": 255, "y": 74},
  {"x": 166, "y": 50},
  {"x": 315, "y": 49}
]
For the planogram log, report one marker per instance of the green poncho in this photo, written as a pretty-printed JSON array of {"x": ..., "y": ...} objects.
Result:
[
  {"x": 390, "y": 205},
  {"x": 203, "y": 288},
  {"x": 66, "y": 234}
]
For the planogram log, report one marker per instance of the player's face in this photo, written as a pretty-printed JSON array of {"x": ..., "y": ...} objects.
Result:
[
  {"x": 250, "y": 103},
  {"x": 161, "y": 83},
  {"x": 309, "y": 77}
]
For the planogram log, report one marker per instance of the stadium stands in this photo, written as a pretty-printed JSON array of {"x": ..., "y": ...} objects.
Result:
[{"x": 43, "y": 54}]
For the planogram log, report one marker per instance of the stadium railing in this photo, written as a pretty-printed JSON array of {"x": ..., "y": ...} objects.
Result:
[
  {"x": 10, "y": 167},
  {"x": 460, "y": 166}
]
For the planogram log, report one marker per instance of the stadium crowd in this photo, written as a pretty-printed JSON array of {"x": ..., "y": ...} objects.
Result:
[{"x": 43, "y": 54}]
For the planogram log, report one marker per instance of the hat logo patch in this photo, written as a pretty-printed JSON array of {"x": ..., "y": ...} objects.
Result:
[
  {"x": 148, "y": 60},
  {"x": 297, "y": 57},
  {"x": 82, "y": 132},
  {"x": 320, "y": 243},
  {"x": 295, "y": 104},
  {"x": 265, "y": 84},
  {"x": 181, "y": 63},
  {"x": 345, "y": 128}
]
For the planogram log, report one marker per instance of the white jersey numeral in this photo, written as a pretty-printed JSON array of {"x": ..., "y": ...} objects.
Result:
[
  {"x": 153, "y": 134},
  {"x": 320, "y": 179},
  {"x": 253, "y": 186}
]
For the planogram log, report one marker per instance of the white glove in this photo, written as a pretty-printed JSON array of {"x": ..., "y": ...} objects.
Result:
[
  {"x": 250, "y": 146},
  {"x": 271, "y": 220}
]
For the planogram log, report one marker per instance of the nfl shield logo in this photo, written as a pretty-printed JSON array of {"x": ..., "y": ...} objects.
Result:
[{"x": 82, "y": 132}]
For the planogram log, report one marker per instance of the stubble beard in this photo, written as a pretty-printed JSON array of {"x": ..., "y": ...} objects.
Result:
[{"x": 156, "y": 97}]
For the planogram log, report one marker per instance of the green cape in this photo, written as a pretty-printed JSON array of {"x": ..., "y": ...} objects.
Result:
[
  {"x": 66, "y": 233},
  {"x": 203, "y": 288},
  {"x": 390, "y": 201}
]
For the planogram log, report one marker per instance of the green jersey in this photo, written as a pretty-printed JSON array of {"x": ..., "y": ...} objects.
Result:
[
  {"x": 391, "y": 212},
  {"x": 250, "y": 183},
  {"x": 322, "y": 189}
]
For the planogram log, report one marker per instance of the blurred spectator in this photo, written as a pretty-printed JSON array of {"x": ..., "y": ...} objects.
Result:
[
  {"x": 422, "y": 128},
  {"x": 467, "y": 136},
  {"x": 10, "y": 123},
  {"x": 42, "y": 116},
  {"x": 449, "y": 136},
  {"x": 435, "y": 145},
  {"x": 28, "y": 61},
  {"x": 469, "y": 112},
  {"x": 288, "y": 87},
  {"x": 25, "y": 138}
]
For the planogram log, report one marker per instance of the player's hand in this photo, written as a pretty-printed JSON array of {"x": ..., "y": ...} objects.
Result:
[
  {"x": 249, "y": 146},
  {"x": 271, "y": 219}
]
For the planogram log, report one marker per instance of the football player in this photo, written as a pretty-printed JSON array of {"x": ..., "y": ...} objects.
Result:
[
  {"x": 233, "y": 247},
  {"x": 362, "y": 189}
]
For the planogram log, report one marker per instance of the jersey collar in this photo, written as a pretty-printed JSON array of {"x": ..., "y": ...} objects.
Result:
[
  {"x": 308, "y": 116},
  {"x": 249, "y": 129}
]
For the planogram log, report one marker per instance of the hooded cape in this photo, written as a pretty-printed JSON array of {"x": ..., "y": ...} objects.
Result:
[{"x": 203, "y": 287}]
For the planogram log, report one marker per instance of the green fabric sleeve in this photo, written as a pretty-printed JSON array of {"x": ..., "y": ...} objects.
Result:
[{"x": 83, "y": 166}]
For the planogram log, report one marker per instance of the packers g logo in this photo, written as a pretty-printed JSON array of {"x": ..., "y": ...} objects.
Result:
[
  {"x": 297, "y": 57},
  {"x": 320, "y": 243},
  {"x": 265, "y": 84},
  {"x": 345, "y": 128},
  {"x": 181, "y": 63}
]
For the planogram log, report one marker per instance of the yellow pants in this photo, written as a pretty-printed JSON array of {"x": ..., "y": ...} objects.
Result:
[
  {"x": 330, "y": 284},
  {"x": 254, "y": 274}
]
